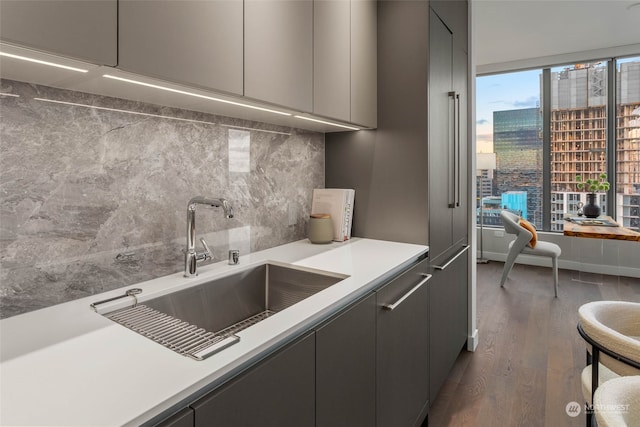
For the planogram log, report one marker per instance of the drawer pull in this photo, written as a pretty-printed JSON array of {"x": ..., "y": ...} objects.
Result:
[
  {"x": 442, "y": 267},
  {"x": 405, "y": 296}
]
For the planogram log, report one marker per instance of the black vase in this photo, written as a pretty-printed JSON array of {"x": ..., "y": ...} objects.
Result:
[{"x": 591, "y": 210}]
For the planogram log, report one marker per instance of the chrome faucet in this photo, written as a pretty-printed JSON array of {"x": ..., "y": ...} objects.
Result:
[{"x": 191, "y": 256}]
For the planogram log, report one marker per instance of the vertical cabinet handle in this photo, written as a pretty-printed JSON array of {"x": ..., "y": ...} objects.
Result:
[
  {"x": 395, "y": 305},
  {"x": 452, "y": 184},
  {"x": 457, "y": 150}
]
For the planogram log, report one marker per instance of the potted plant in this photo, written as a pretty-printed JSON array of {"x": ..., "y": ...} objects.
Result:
[{"x": 591, "y": 210}]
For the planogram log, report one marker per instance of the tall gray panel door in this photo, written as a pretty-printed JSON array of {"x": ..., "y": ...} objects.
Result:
[{"x": 442, "y": 108}]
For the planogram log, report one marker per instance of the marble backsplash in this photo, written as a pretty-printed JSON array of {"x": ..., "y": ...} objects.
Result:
[{"x": 94, "y": 190}]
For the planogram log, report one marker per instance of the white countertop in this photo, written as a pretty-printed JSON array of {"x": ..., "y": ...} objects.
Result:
[{"x": 67, "y": 365}]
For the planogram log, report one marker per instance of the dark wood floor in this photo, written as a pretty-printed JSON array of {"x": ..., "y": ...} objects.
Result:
[{"x": 529, "y": 357}]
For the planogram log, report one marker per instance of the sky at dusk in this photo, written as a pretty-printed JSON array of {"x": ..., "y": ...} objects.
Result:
[
  {"x": 501, "y": 92},
  {"x": 509, "y": 91}
]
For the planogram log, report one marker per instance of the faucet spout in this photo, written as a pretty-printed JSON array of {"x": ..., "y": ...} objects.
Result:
[
  {"x": 192, "y": 257},
  {"x": 214, "y": 202}
]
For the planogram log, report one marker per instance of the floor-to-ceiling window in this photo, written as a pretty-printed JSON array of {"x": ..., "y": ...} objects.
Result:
[
  {"x": 509, "y": 124},
  {"x": 628, "y": 143},
  {"x": 541, "y": 158}
]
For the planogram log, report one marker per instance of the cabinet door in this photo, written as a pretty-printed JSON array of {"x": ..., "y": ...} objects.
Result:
[
  {"x": 278, "y": 52},
  {"x": 85, "y": 30},
  {"x": 447, "y": 316},
  {"x": 183, "y": 418},
  {"x": 192, "y": 42},
  {"x": 331, "y": 59},
  {"x": 460, "y": 212},
  {"x": 279, "y": 391},
  {"x": 460, "y": 82},
  {"x": 346, "y": 368},
  {"x": 402, "y": 350},
  {"x": 364, "y": 62},
  {"x": 442, "y": 182}
]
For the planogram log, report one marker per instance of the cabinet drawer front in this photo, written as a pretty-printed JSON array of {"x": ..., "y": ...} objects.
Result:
[
  {"x": 279, "y": 391},
  {"x": 402, "y": 377},
  {"x": 397, "y": 288}
]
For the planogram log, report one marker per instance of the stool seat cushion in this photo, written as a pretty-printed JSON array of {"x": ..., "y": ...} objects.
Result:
[
  {"x": 617, "y": 402},
  {"x": 543, "y": 249}
]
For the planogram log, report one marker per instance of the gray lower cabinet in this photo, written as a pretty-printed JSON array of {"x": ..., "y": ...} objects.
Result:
[
  {"x": 85, "y": 30},
  {"x": 277, "y": 392},
  {"x": 278, "y": 52},
  {"x": 183, "y": 418},
  {"x": 447, "y": 315},
  {"x": 346, "y": 367},
  {"x": 402, "y": 374},
  {"x": 198, "y": 43}
]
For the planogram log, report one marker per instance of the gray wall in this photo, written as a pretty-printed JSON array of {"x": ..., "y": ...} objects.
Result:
[{"x": 95, "y": 199}]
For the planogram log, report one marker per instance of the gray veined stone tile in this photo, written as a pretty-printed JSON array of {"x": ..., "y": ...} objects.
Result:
[{"x": 93, "y": 199}]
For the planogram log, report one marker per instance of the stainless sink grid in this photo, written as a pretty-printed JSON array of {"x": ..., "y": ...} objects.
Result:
[
  {"x": 244, "y": 324},
  {"x": 177, "y": 335}
]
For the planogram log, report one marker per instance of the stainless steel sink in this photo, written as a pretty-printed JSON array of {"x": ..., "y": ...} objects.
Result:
[{"x": 202, "y": 320}]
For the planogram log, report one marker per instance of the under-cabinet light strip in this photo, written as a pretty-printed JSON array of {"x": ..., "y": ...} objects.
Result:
[
  {"x": 326, "y": 123},
  {"x": 37, "y": 61},
  {"x": 182, "y": 92},
  {"x": 54, "y": 101},
  {"x": 117, "y": 110},
  {"x": 256, "y": 129}
]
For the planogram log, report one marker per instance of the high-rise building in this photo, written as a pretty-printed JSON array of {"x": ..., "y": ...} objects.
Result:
[
  {"x": 517, "y": 142},
  {"x": 579, "y": 137},
  {"x": 515, "y": 201}
]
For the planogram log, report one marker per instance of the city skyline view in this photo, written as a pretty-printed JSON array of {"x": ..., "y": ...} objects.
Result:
[
  {"x": 508, "y": 91},
  {"x": 510, "y": 124}
]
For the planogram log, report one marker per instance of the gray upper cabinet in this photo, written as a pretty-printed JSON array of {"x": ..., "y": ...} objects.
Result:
[
  {"x": 331, "y": 52},
  {"x": 192, "y": 42},
  {"x": 345, "y": 68},
  {"x": 85, "y": 30},
  {"x": 278, "y": 52},
  {"x": 364, "y": 63}
]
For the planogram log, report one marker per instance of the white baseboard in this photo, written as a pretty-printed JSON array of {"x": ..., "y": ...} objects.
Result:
[
  {"x": 472, "y": 341},
  {"x": 569, "y": 265}
]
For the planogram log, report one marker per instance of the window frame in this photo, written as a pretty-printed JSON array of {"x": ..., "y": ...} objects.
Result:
[{"x": 611, "y": 131}]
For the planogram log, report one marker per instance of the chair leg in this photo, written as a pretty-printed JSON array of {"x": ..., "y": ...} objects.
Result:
[
  {"x": 508, "y": 265},
  {"x": 555, "y": 274}
]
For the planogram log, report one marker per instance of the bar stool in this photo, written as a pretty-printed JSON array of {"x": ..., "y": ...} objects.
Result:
[{"x": 612, "y": 329}]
